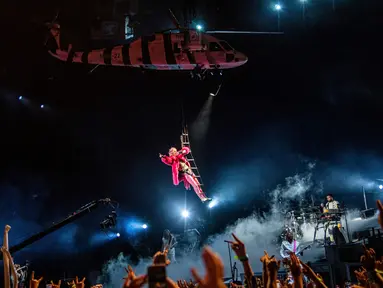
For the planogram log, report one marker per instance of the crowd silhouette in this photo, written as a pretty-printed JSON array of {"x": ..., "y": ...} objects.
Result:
[{"x": 301, "y": 275}]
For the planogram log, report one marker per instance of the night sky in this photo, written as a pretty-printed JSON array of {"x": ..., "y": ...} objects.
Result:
[{"x": 313, "y": 95}]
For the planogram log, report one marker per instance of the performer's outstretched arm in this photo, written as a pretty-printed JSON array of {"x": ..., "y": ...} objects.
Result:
[{"x": 166, "y": 159}]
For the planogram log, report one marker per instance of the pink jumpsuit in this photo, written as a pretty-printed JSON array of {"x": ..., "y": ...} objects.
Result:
[{"x": 181, "y": 171}]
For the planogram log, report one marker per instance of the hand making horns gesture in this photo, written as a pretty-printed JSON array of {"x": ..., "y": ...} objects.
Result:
[
  {"x": 80, "y": 284},
  {"x": 238, "y": 246},
  {"x": 58, "y": 285},
  {"x": 130, "y": 277},
  {"x": 34, "y": 283}
]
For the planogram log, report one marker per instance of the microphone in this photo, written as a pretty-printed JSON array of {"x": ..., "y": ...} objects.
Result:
[
  {"x": 235, "y": 265},
  {"x": 227, "y": 241}
]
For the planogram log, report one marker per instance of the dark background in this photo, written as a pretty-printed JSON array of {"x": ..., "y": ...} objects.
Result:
[{"x": 311, "y": 95}]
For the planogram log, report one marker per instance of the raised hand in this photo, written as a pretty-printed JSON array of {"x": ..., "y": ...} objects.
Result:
[
  {"x": 79, "y": 284},
  {"x": 380, "y": 216},
  {"x": 214, "y": 270},
  {"x": 368, "y": 259},
  {"x": 161, "y": 258},
  {"x": 160, "y": 155},
  {"x": 34, "y": 283},
  {"x": 316, "y": 278},
  {"x": 130, "y": 272},
  {"x": 295, "y": 265},
  {"x": 308, "y": 271},
  {"x": 191, "y": 284},
  {"x": 265, "y": 258},
  {"x": 130, "y": 277},
  {"x": 170, "y": 283},
  {"x": 137, "y": 282},
  {"x": 361, "y": 275},
  {"x": 182, "y": 284},
  {"x": 238, "y": 247},
  {"x": 58, "y": 285},
  {"x": 273, "y": 265}
]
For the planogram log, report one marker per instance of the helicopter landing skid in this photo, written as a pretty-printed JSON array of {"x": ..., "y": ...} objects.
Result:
[
  {"x": 198, "y": 73},
  {"x": 201, "y": 73}
]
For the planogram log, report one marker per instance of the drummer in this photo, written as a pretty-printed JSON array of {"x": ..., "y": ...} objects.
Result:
[
  {"x": 331, "y": 203},
  {"x": 331, "y": 224}
]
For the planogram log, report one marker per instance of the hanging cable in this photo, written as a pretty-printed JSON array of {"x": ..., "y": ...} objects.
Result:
[
  {"x": 183, "y": 121},
  {"x": 183, "y": 127}
]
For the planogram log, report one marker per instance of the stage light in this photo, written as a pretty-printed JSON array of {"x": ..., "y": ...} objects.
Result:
[
  {"x": 380, "y": 187},
  {"x": 144, "y": 226},
  {"x": 199, "y": 27},
  {"x": 213, "y": 203},
  {"x": 118, "y": 235},
  {"x": 185, "y": 213},
  {"x": 303, "y": 1},
  {"x": 20, "y": 97},
  {"x": 42, "y": 106},
  {"x": 277, "y": 7}
]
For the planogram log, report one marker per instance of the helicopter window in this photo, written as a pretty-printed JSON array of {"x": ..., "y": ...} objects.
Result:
[
  {"x": 214, "y": 47},
  {"x": 226, "y": 46}
]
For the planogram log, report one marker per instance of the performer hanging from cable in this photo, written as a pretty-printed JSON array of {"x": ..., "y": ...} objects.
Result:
[{"x": 181, "y": 171}]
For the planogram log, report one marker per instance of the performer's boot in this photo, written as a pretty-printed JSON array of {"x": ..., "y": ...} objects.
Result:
[{"x": 202, "y": 195}]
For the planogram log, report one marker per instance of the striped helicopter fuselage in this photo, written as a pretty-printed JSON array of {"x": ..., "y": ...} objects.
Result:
[{"x": 162, "y": 51}]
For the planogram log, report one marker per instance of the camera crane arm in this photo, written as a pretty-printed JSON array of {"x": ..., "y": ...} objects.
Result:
[{"x": 71, "y": 218}]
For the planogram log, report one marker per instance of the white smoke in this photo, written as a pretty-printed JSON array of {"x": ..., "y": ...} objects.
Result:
[{"x": 258, "y": 232}]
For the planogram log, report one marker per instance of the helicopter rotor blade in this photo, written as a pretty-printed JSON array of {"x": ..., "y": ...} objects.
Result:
[
  {"x": 242, "y": 32},
  {"x": 174, "y": 19}
]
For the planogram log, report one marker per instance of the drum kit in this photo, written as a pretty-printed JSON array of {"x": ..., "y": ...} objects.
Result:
[
  {"x": 299, "y": 220},
  {"x": 189, "y": 241}
]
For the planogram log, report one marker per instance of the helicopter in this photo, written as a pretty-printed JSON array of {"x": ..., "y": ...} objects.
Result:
[{"x": 180, "y": 49}]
